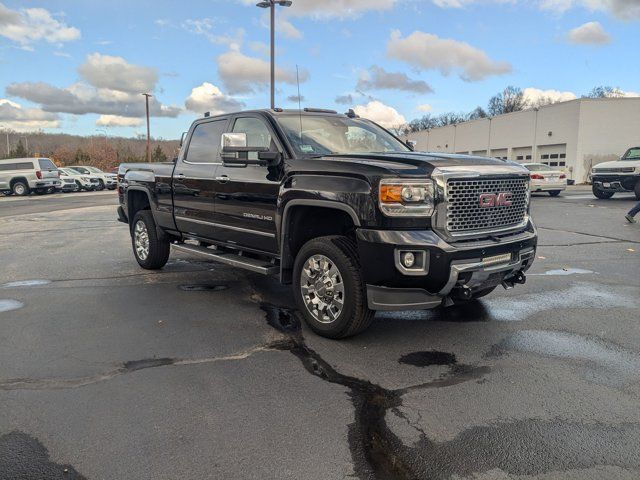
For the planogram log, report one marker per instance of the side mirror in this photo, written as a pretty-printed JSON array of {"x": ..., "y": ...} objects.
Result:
[
  {"x": 234, "y": 148},
  {"x": 412, "y": 145}
]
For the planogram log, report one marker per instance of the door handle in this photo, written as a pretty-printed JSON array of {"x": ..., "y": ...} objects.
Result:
[
  {"x": 222, "y": 179},
  {"x": 180, "y": 175}
]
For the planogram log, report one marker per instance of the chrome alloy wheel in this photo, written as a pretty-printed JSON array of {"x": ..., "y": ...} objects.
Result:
[
  {"x": 141, "y": 240},
  {"x": 322, "y": 288}
]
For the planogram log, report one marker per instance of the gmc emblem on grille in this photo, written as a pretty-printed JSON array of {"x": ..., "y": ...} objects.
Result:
[{"x": 502, "y": 199}]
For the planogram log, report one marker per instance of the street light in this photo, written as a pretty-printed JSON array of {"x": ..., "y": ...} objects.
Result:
[
  {"x": 271, "y": 4},
  {"x": 146, "y": 96}
]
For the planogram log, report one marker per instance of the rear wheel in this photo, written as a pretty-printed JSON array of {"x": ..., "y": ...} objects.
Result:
[
  {"x": 554, "y": 193},
  {"x": 601, "y": 193},
  {"x": 20, "y": 188},
  {"x": 151, "y": 251},
  {"x": 329, "y": 289}
]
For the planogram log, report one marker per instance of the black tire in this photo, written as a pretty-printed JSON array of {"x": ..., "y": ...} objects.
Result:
[
  {"x": 355, "y": 315},
  {"x": 40, "y": 191},
  {"x": 554, "y": 193},
  {"x": 20, "y": 188},
  {"x": 100, "y": 185},
  {"x": 636, "y": 190},
  {"x": 601, "y": 194},
  {"x": 78, "y": 186},
  {"x": 158, "y": 248}
]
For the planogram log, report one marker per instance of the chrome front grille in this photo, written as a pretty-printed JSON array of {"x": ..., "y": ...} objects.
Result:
[{"x": 465, "y": 215}]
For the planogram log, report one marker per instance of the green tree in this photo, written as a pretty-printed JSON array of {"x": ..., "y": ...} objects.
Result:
[
  {"x": 158, "y": 155},
  {"x": 19, "y": 151}
]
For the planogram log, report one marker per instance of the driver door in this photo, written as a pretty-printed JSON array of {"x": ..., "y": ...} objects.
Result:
[{"x": 246, "y": 195}]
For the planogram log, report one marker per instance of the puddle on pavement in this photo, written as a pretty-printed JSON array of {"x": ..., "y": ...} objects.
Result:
[
  {"x": 202, "y": 288},
  {"x": 579, "y": 295},
  {"x": 24, "y": 457},
  {"x": 622, "y": 366},
  {"x": 428, "y": 358},
  {"x": 6, "y": 305},
  {"x": 26, "y": 283},
  {"x": 562, "y": 272}
]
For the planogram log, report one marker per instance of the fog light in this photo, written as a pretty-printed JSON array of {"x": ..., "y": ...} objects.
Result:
[{"x": 408, "y": 259}]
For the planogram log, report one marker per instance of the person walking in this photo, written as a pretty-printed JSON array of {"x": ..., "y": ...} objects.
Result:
[{"x": 632, "y": 213}]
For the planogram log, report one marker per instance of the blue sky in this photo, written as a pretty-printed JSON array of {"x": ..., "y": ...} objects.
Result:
[{"x": 79, "y": 66}]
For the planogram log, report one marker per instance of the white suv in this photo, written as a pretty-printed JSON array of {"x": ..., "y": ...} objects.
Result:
[
  {"x": 106, "y": 180},
  {"x": 618, "y": 176}
]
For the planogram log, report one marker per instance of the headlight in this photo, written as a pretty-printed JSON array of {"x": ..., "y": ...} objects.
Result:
[
  {"x": 406, "y": 198},
  {"x": 84, "y": 179}
]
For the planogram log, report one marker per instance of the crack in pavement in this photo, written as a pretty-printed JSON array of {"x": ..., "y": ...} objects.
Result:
[
  {"x": 376, "y": 451},
  {"x": 126, "y": 368},
  {"x": 587, "y": 234}
]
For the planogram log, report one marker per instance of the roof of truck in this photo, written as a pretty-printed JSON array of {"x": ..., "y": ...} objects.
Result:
[{"x": 278, "y": 111}]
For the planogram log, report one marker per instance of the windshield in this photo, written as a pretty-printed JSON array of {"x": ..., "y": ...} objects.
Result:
[
  {"x": 94, "y": 170},
  {"x": 81, "y": 170},
  {"x": 632, "y": 154},
  {"x": 323, "y": 135}
]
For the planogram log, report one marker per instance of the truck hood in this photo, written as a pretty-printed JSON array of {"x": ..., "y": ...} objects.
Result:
[
  {"x": 415, "y": 163},
  {"x": 617, "y": 164}
]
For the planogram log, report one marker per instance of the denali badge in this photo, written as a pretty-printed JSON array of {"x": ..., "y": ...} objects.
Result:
[{"x": 502, "y": 199}]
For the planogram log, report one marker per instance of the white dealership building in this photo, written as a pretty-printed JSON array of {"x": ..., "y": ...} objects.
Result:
[{"x": 573, "y": 135}]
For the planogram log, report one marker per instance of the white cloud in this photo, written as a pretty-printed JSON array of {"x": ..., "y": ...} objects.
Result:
[
  {"x": 425, "y": 107},
  {"x": 380, "y": 113},
  {"x": 430, "y": 52},
  {"x": 621, "y": 9},
  {"x": 14, "y": 117},
  {"x": 536, "y": 97},
  {"x": 113, "y": 87},
  {"x": 590, "y": 33},
  {"x": 30, "y": 25},
  {"x": 378, "y": 78},
  {"x": 286, "y": 28},
  {"x": 115, "y": 73},
  {"x": 206, "y": 28},
  {"x": 117, "y": 121},
  {"x": 208, "y": 98},
  {"x": 332, "y": 8},
  {"x": 243, "y": 74}
]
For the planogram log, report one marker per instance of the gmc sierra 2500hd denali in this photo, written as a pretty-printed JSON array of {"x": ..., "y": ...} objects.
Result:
[{"x": 337, "y": 206}]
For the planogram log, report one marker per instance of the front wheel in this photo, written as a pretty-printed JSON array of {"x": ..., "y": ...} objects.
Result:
[
  {"x": 554, "y": 193},
  {"x": 636, "y": 190},
  {"x": 329, "y": 289},
  {"x": 601, "y": 193},
  {"x": 151, "y": 251}
]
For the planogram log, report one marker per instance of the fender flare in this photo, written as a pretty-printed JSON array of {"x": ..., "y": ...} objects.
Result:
[{"x": 285, "y": 257}]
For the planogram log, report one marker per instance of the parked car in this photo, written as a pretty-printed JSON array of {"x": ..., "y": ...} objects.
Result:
[
  {"x": 68, "y": 183},
  {"x": 83, "y": 182},
  {"x": 619, "y": 176},
  {"x": 546, "y": 179},
  {"x": 106, "y": 180},
  {"x": 337, "y": 206},
  {"x": 20, "y": 176}
]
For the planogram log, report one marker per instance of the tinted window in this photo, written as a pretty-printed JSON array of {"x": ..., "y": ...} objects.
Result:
[
  {"x": 16, "y": 166},
  {"x": 632, "y": 154},
  {"x": 46, "y": 164},
  {"x": 205, "y": 142},
  {"x": 258, "y": 134}
]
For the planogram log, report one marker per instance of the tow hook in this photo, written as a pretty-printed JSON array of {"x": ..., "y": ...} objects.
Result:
[
  {"x": 517, "y": 277},
  {"x": 462, "y": 292}
]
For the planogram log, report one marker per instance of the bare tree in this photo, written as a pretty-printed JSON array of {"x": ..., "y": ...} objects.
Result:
[
  {"x": 605, "y": 92},
  {"x": 511, "y": 99}
]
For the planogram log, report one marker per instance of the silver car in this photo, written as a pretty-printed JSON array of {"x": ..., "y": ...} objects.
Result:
[{"x": 20, "y": 176}]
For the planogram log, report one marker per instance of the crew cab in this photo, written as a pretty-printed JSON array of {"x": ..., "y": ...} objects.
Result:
[
  {"x": 618, "y": 176},
  {"x": 338, "y": 207}
]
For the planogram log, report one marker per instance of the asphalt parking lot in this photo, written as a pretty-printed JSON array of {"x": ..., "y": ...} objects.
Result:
[{"x": 202, "y": 371}]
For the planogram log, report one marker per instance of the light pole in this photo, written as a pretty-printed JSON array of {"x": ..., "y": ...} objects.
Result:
[
  {"x": 271, "y": 4},
  {"x": 146, "y": 96}
]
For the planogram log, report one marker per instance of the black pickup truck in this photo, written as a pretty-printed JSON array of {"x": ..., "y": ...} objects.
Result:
[{"x": 337, "y": 206}]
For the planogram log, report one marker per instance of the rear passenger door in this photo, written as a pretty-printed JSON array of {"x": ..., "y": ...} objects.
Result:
[
  {"x": 246, "y": 195},
  {"x": 193, "y": 181}
]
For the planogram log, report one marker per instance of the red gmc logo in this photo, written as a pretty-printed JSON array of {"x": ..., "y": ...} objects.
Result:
[{"x": 502, "y": 199}]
